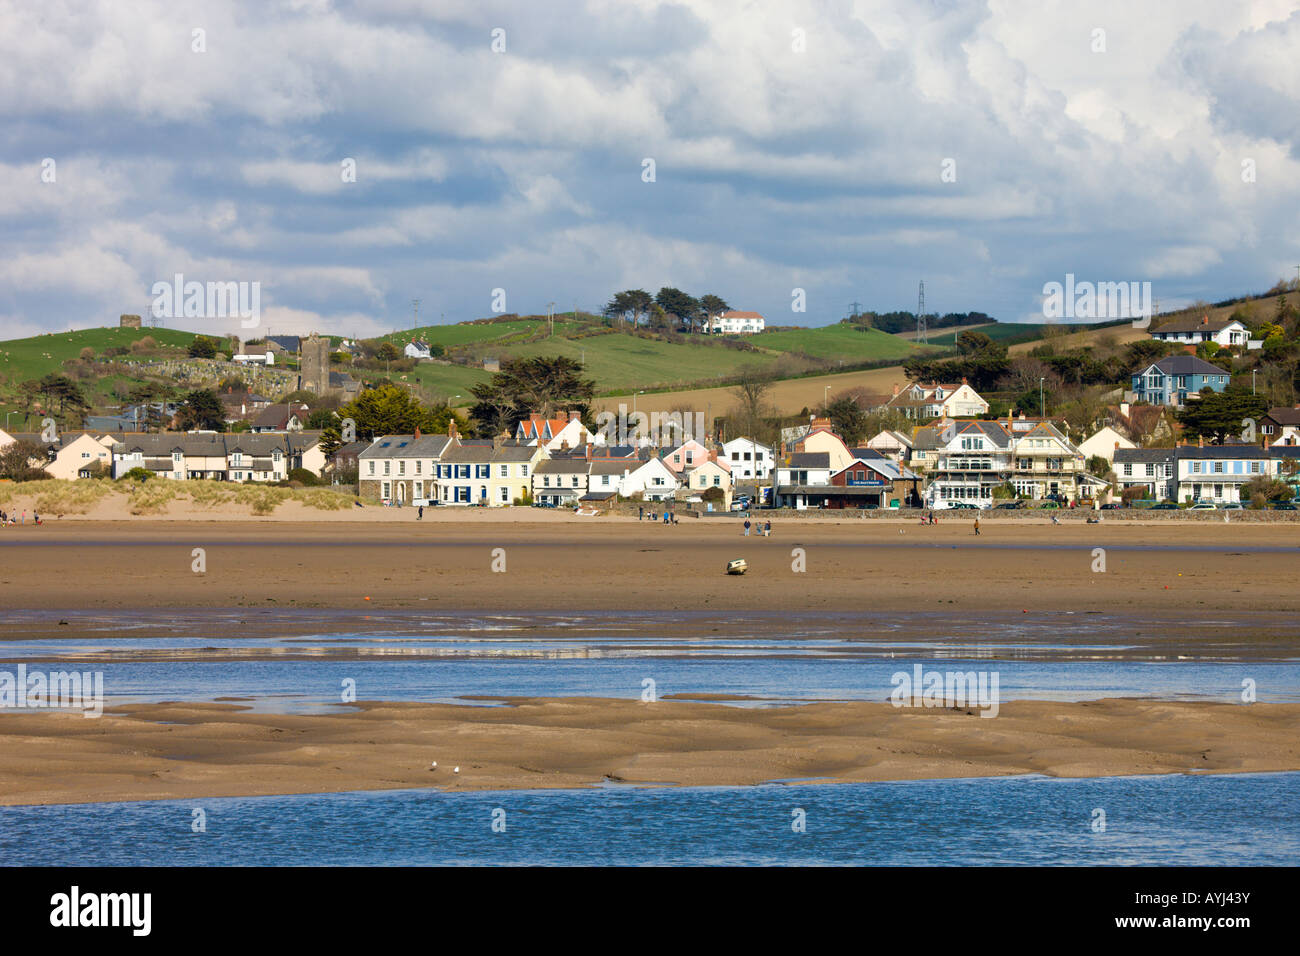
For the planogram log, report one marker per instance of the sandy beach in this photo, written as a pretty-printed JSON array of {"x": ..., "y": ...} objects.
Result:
[
  {"x": 625, "y": 565},
  {"x": 192, "y": 751},
  {"x": 283, "y": 577}
]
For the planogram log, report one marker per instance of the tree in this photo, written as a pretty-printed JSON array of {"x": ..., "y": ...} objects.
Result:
[
  {"x": 848, "y": 420},
  {"x": 1217, "y": 415},
  {"x": 387, "y": 352},
  {"x": 676, "y": 302},
  {"x": 203, "y": 346},
  {"x": 201, "y": 410},
  {"x": 629, "y": 305},
  {"x": 320, "y": 419},
  {"x": 752, "y": 415},
  {"x": 1264, "y": 488},
  {"x": 711, "y": 305},
  {"x": 971, "y": 342},
  {"x": 19, "y": 461},
  {"x": 393, "y": 410},
  {"x": 524, "y": 385}
]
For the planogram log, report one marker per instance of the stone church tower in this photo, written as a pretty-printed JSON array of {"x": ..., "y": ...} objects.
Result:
[{"x": 314, "y": 364}]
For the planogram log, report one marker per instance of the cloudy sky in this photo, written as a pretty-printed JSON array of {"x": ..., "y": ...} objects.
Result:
[{"x": 504, "y": 145}]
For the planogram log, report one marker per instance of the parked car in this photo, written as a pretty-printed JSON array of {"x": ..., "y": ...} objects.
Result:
[
  {"x": 1010, "y": 505},
  {"x": 1112, "y": 506},
  {"x": 962, "y": 505},
  {"x": 1284, "y": 506},
  {"x": 1204, "y": 506},
  {"x": 1050, "y": 503},
  {"x": 1164, "y": 506},
  {"x": 1232, "y": 506}
]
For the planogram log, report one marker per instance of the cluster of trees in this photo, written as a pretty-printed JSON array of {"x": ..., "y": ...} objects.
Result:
[
  {"x": 386, "y": 410},
  {"x": 526, "y": 385},
  {"x": 982, "y": 362},
  {"x": 57, "y": 393},
  {"x": 669, "y": 309},
  {"x": 894, "y": 322},
  {"x": 1216, "y": 415},
  {"x": 16, "y": 461},
  {"x": 204, "y": 346}
]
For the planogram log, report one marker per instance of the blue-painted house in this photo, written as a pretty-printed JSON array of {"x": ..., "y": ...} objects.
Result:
[{"x": 1172, "y": 379}]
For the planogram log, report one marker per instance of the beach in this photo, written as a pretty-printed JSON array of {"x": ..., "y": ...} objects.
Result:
[
  {"x": 1189, "y": 583},
  {"x": 192, "y": 751}
]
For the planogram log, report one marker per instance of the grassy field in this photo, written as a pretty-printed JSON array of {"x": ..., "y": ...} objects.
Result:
[
  {"x": 846, "y": 342},
  {"x": 22, "y": 359}
]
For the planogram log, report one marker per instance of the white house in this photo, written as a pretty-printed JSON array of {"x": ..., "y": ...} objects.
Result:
[
  {"x": 1216, "y": 472},
  {"x": 748, "y": 459},
  {"x": 416, "y": 349},
  {"x": 1103, "y": 444},
  {"x": 1190, "y": 329},
  {"x": 255, "y": 358},
  {"x": 560, "y": 481},
  {"x": 736, "y": 323},
  {"x": 652, "y": 479},
  {"x": 937, "y": 400}
]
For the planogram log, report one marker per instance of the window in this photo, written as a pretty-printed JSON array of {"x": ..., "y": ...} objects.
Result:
[
  {"x": 546, "y": 481},
  {"x": 717, "y": 480},
  {"x": 523, "y": 471},
  {"x": 418, "y": 463},
  {"x": 388, "y": 467},
  {"x": 387, "y": 490},
  {"x": 401, "y": 467},
  {"x": 1254, "y": 467},
  {"x": 462, "y": 471},
  {"x": 505, "y": 495},
  {"x": 604, "y": 480},
  {"x": 482, "y": 471},
  {"x": 1218, "y": 467},
  {"x": 1196, "y": 467},
  {"x": 1151, "y": 470},
  {"x": 505, "y": 471},
  {"x": 176, "y": 456},
  {"x": 575, "y": 481}
]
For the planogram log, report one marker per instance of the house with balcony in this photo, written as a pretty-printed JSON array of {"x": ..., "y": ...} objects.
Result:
[
  {"x": 970, "y": 462},
  {"x": 1044, "y": 464},
  {"x": 936, "y": 400},
  {"x": 1215, "y": 473},
  {"x": 1171, "y": 380}
]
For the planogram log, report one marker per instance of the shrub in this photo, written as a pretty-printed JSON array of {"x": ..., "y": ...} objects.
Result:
[
  {"x": 137, "y": 474},
  {"x": 304, "y": 477}
]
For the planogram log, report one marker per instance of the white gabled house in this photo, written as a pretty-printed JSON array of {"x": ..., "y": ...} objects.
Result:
[
  {"x": 748, "y": 459},
  {"x": 652, "y": 479}
]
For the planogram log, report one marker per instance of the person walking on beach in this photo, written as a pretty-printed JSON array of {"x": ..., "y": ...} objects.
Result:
[
  {"x": 419, "y": 515},
  {"x": 977, "y": 525},
  {"x": 640, "y": 513},
  {"x": 746, "y": 527},
  {"x": 767, "y": 529}
]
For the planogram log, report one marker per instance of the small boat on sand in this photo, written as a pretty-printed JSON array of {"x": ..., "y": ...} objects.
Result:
[{"x": 738, "y": 566}]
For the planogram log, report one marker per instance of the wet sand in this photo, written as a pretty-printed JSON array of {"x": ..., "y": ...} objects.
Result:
[
  {"x": 195, "y": 751},
  {"x": 625, "y": 566},
  {"x": 278, "y": 578}
]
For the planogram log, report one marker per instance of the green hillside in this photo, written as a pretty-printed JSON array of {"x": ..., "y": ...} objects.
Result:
[
  {"x": 849, "y": 343},
  {"x": 22, "y": 359}
]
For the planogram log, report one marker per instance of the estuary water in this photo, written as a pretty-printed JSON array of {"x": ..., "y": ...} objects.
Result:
[{"x": 1116, "y": 821}]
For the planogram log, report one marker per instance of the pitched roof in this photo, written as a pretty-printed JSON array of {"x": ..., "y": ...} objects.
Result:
[
  {"x": 1284, "y": 415},
  {"x": 1143, "y": 455},
  {"x": 809, "y": 459},
  {"x": 1187, "y": 365},
  {"x": 408, "y": 446},
  {"x": 1191, "y": 323},
  {"x": 1183, "y": 452}
]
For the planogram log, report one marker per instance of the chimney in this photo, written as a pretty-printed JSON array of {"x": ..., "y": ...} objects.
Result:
[
  {"x": 963, "y": 381},
  {"x": 574, "y": 416},
  {"x": 1205, "y": 320},
  {"x": 1266, "y": 440},
  {"x": 1200, "y": 441},
  {"x": 417, "y": 431},
  {"x": 1117, "y": 446},
  {"x": 895, "y": 388},
  {"x": 451, "y": 430}
]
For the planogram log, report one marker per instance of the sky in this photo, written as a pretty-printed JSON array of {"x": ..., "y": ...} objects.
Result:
[{"x": 342, "y": 159}]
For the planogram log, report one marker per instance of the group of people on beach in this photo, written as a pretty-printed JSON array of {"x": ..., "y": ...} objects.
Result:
[
  {"x": 668, "y": 517},
  {"x": 764, "y": 528},
  {"x": 10, "y": 517}
]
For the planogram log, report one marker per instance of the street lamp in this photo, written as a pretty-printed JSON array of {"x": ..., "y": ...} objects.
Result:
[
  {"x": 1042, "y": 406},
  {"x": 550, "y": 315},
  {"x": 826, "y": 398}
]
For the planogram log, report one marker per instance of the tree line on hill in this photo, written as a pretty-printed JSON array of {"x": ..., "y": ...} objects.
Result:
[
  {"x": 895, "y": 322},
  {"x": 669, "y": 308}
]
